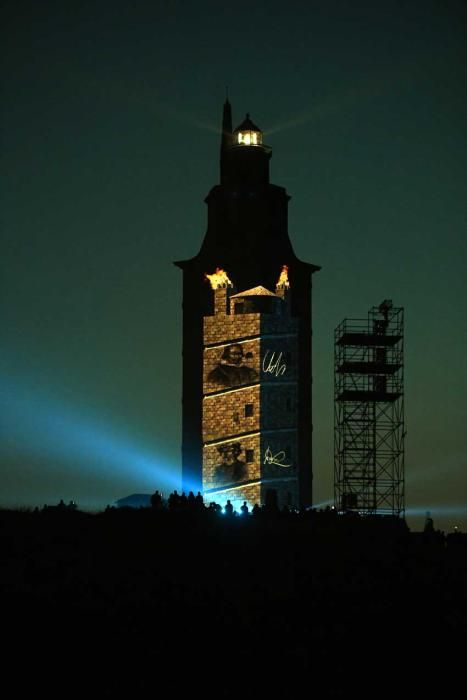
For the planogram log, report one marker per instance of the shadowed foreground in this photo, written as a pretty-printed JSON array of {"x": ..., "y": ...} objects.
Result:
[{"x": 143, "y": 601}]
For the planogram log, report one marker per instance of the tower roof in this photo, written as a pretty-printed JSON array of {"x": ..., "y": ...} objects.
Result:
[
  {"x": 256, "y": 292},
  {"x": 247, "y": 125}
]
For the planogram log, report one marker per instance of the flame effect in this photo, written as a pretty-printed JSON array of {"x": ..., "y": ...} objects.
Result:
[
  {"x": 283, "y": 280},
  {"x": 219, "y": 278}
]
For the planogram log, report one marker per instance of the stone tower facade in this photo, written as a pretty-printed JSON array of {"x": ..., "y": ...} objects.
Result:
[
  {"x": 250, "y": 397},
  {"x": 247, "y": 424}
]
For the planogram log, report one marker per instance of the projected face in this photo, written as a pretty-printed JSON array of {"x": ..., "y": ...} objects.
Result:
[
  {"x": 232, "y": 369},
  {"x": 234, "y": 355},
  {"x": 232, "y": 469}
]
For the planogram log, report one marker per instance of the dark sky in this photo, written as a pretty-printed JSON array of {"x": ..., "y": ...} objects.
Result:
[{"x": 110, "y": 121}]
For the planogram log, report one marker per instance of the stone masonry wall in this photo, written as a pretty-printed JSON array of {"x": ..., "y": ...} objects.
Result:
[
  {"x": 222, "y": 328},
  {"x": 224, "y": 414},
  {"x": 262, "y": 402}
]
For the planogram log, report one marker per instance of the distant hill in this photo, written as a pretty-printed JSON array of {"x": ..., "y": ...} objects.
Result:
[{"x": 136, "y": 500}]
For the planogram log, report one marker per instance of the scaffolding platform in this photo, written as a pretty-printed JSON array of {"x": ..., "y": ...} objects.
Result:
[{"x": 370, "y": 339}]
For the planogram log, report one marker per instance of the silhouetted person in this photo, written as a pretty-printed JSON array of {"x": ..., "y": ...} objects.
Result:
[
  {"x": 228, "y": 508},
  {"x": 199, "y": 500},
  {"x": 156, "y": 500},
  {"x": 191, "y": 500},
  {"x": 231, "y": 371},
  {"x": 429, "y": 525},
  {"x": 256, "y": 509},
  {"x": 244, "y": 508},
  {"x": 174, "y": 500}
]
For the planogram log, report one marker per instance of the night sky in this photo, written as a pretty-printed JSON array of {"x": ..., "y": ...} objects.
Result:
[{"x": 110, "y": 135}]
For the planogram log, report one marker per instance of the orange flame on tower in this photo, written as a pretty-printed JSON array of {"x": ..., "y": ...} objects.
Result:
[
  {"x": 283, "y": 280},
  {"x": 218, "y": 279}
]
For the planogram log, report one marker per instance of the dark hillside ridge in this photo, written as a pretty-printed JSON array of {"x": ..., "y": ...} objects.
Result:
[{"x": 134, "y": 601}]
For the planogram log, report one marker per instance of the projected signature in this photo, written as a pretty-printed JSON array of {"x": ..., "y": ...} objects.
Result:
[
  {"x": 273, "y": 365},
  {"x": 276, "y": 459}
]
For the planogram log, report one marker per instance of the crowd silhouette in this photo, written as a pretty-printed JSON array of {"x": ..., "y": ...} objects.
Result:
[{"x": 185, "y": 595}]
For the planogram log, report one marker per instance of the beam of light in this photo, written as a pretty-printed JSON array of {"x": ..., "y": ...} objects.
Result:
[
  {"x": 323, "y": 504},
  {"x": 344, "y": 100},
  {"x": 334, "y": 104},
  {"x": 453, "y": 464},
  {"x": 172, "y": 113},
  {"x": 37, "y": 425},
  {"x": 433, "y": 511}
]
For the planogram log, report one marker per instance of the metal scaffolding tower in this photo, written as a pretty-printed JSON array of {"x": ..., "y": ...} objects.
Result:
[{"x": 369, "y": 412}]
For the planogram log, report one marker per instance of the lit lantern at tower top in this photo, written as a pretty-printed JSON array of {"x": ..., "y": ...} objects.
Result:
[{"x": 247, "y": 134}]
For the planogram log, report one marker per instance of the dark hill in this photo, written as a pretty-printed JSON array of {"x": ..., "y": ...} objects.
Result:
[{"x": 143, "y": 601}]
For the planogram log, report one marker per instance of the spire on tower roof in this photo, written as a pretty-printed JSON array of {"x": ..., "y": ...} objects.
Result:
[{"x": 226, "y": 138}]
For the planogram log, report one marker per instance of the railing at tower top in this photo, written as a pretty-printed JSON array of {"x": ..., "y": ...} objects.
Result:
[{"x": 369, "y": 357}]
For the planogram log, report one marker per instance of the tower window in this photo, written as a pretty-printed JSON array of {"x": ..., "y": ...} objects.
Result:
[
  {"x": 248, "y": 410},
  {"x": 250, "y": 455},
  {"x": 239, "y": 307},
  {"x": 249, "y": 138}
]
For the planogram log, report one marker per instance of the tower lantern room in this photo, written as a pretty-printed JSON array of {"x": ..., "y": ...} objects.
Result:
[
  {"x": 244, "y": 156},
  {"x": 248, "y": 134}
]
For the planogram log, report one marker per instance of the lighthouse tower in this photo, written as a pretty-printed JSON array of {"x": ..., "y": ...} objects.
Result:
[{"x": 247, "y": 413}]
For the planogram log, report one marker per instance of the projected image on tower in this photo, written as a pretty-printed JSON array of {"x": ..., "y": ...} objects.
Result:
[
  {"x": 250, "y": 391},
  {"x": 231, "y": 463},
  {"x": 232, "y": 468},
  {"x": 233, "y": 368}
]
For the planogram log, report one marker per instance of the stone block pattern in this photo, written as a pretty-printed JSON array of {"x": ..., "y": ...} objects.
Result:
[
  {"x": 269, "y": 345},
  {"x": 222, "y": 329},
  {"x": 224, "y": 414}
]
